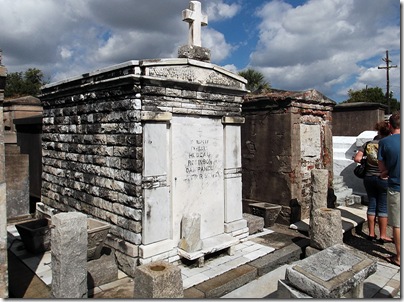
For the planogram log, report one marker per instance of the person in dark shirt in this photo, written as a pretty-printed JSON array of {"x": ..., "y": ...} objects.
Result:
[{"x": 389, "y": 165}]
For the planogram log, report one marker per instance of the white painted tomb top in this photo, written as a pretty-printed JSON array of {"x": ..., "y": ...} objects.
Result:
[{"x": 196, "y": 20}]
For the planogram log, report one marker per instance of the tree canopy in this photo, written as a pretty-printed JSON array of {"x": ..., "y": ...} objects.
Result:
[
  {"x": 19, "y": 84},
  {"x": 372, "y": 95},
  {"x": 256, "y": 80}
]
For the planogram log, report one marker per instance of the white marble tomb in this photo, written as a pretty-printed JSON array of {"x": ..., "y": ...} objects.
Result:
[{"x": 195, "y": 165}]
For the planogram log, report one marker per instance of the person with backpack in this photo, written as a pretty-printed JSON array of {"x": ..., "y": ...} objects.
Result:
[{"x": 376, "y": 187}]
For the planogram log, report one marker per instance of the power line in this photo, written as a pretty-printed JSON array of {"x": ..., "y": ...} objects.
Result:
[{"x": 388, "y": 66}]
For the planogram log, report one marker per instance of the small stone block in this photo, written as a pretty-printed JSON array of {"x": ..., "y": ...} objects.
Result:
[
  {"x": 254, "y": 223},
  {"x": 325, "y": 228},
  {"x": 201, "y": 261},
  {"x": 231, "y": 250},
  {"x": 158, "y": 279}
]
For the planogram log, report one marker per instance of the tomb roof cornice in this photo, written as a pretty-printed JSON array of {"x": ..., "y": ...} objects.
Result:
[
  {"x": 124, "y": 65},
  {"x": 153, "y": 71},
  {"x": 191, "y": 62},
  {"x": 25, "y": 100},
  {"x": 359, "y": 106},
  {"x": 202, "y": 87},
  {"x": 87, "y": 85},
  {"x": 276, "y": 95}
]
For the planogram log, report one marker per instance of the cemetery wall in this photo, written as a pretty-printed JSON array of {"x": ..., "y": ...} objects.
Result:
[
  {"x": 285, "y": 136},
  {"x": 93, "y": 138},
  {"x": 351, "y": 119}
]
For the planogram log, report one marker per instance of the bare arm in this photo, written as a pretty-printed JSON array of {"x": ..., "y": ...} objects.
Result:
[{"x": 358, "y": 156}]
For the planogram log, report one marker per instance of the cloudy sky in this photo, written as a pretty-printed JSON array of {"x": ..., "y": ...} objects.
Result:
[{"x": 329, "y": 45}]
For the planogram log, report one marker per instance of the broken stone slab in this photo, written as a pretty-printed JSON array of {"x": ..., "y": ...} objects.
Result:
[
  {"x": 335, "y": 272},
  {"x": 158, "y": 279},
  {"x": 191, "y": 233}
]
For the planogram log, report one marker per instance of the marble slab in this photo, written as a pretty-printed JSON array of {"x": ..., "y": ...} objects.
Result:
[{"x": 197, "y": 179}]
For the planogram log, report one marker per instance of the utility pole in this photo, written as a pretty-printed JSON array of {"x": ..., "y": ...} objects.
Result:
[{"x": 386, "y": 59}]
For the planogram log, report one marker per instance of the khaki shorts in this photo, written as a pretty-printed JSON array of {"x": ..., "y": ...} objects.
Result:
[{"x": 393, "y": 208}]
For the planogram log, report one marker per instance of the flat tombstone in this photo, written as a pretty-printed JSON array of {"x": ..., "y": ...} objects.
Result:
[
  {"x": 331, "y": 273},
  {"x": 198, "y": 173}
]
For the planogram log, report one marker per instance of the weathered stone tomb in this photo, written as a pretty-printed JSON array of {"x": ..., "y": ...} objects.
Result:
[
  {"x": 22, "y": 155},
  {"x": 286, "y": 135},
  {"x": 143, "y": 144}
]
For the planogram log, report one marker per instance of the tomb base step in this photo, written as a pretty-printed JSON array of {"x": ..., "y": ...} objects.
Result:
[{"x": 210, "y": 245}]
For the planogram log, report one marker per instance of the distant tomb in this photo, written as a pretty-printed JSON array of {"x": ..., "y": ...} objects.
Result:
[
  {"x": 286, "y": 135},
  {"x": 19, "y": 165}
]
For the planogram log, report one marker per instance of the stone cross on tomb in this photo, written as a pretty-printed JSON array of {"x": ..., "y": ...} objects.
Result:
[{"x": 196, "y": 20}]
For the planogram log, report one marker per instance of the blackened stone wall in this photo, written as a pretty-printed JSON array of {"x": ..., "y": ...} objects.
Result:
[
  {"x": 351, "y": 119},
  {"x": 277, "y": 152}
]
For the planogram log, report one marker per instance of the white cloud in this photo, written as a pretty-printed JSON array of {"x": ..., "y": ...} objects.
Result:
[
  {"x": 231, "y": 67},
  {"x": 320, "y": 43},
  {"x": 66, "y": 37},
  {"x": 65, "y": 52},
  {"x": 217, "y": 44},
  {"x": 219, "y": 10}
]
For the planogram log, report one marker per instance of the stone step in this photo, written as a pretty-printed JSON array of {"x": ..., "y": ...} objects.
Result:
[
  {"x": 349, "y": 201},
  {"x": 342, "y": 188},
  {"x": 337, "y": 181},
  {"x": 219, "y": 286},
  {"x": 340, "y": 185},
  {"x": 343, "y": 193},
  {"x": 222, "y": 284}
]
